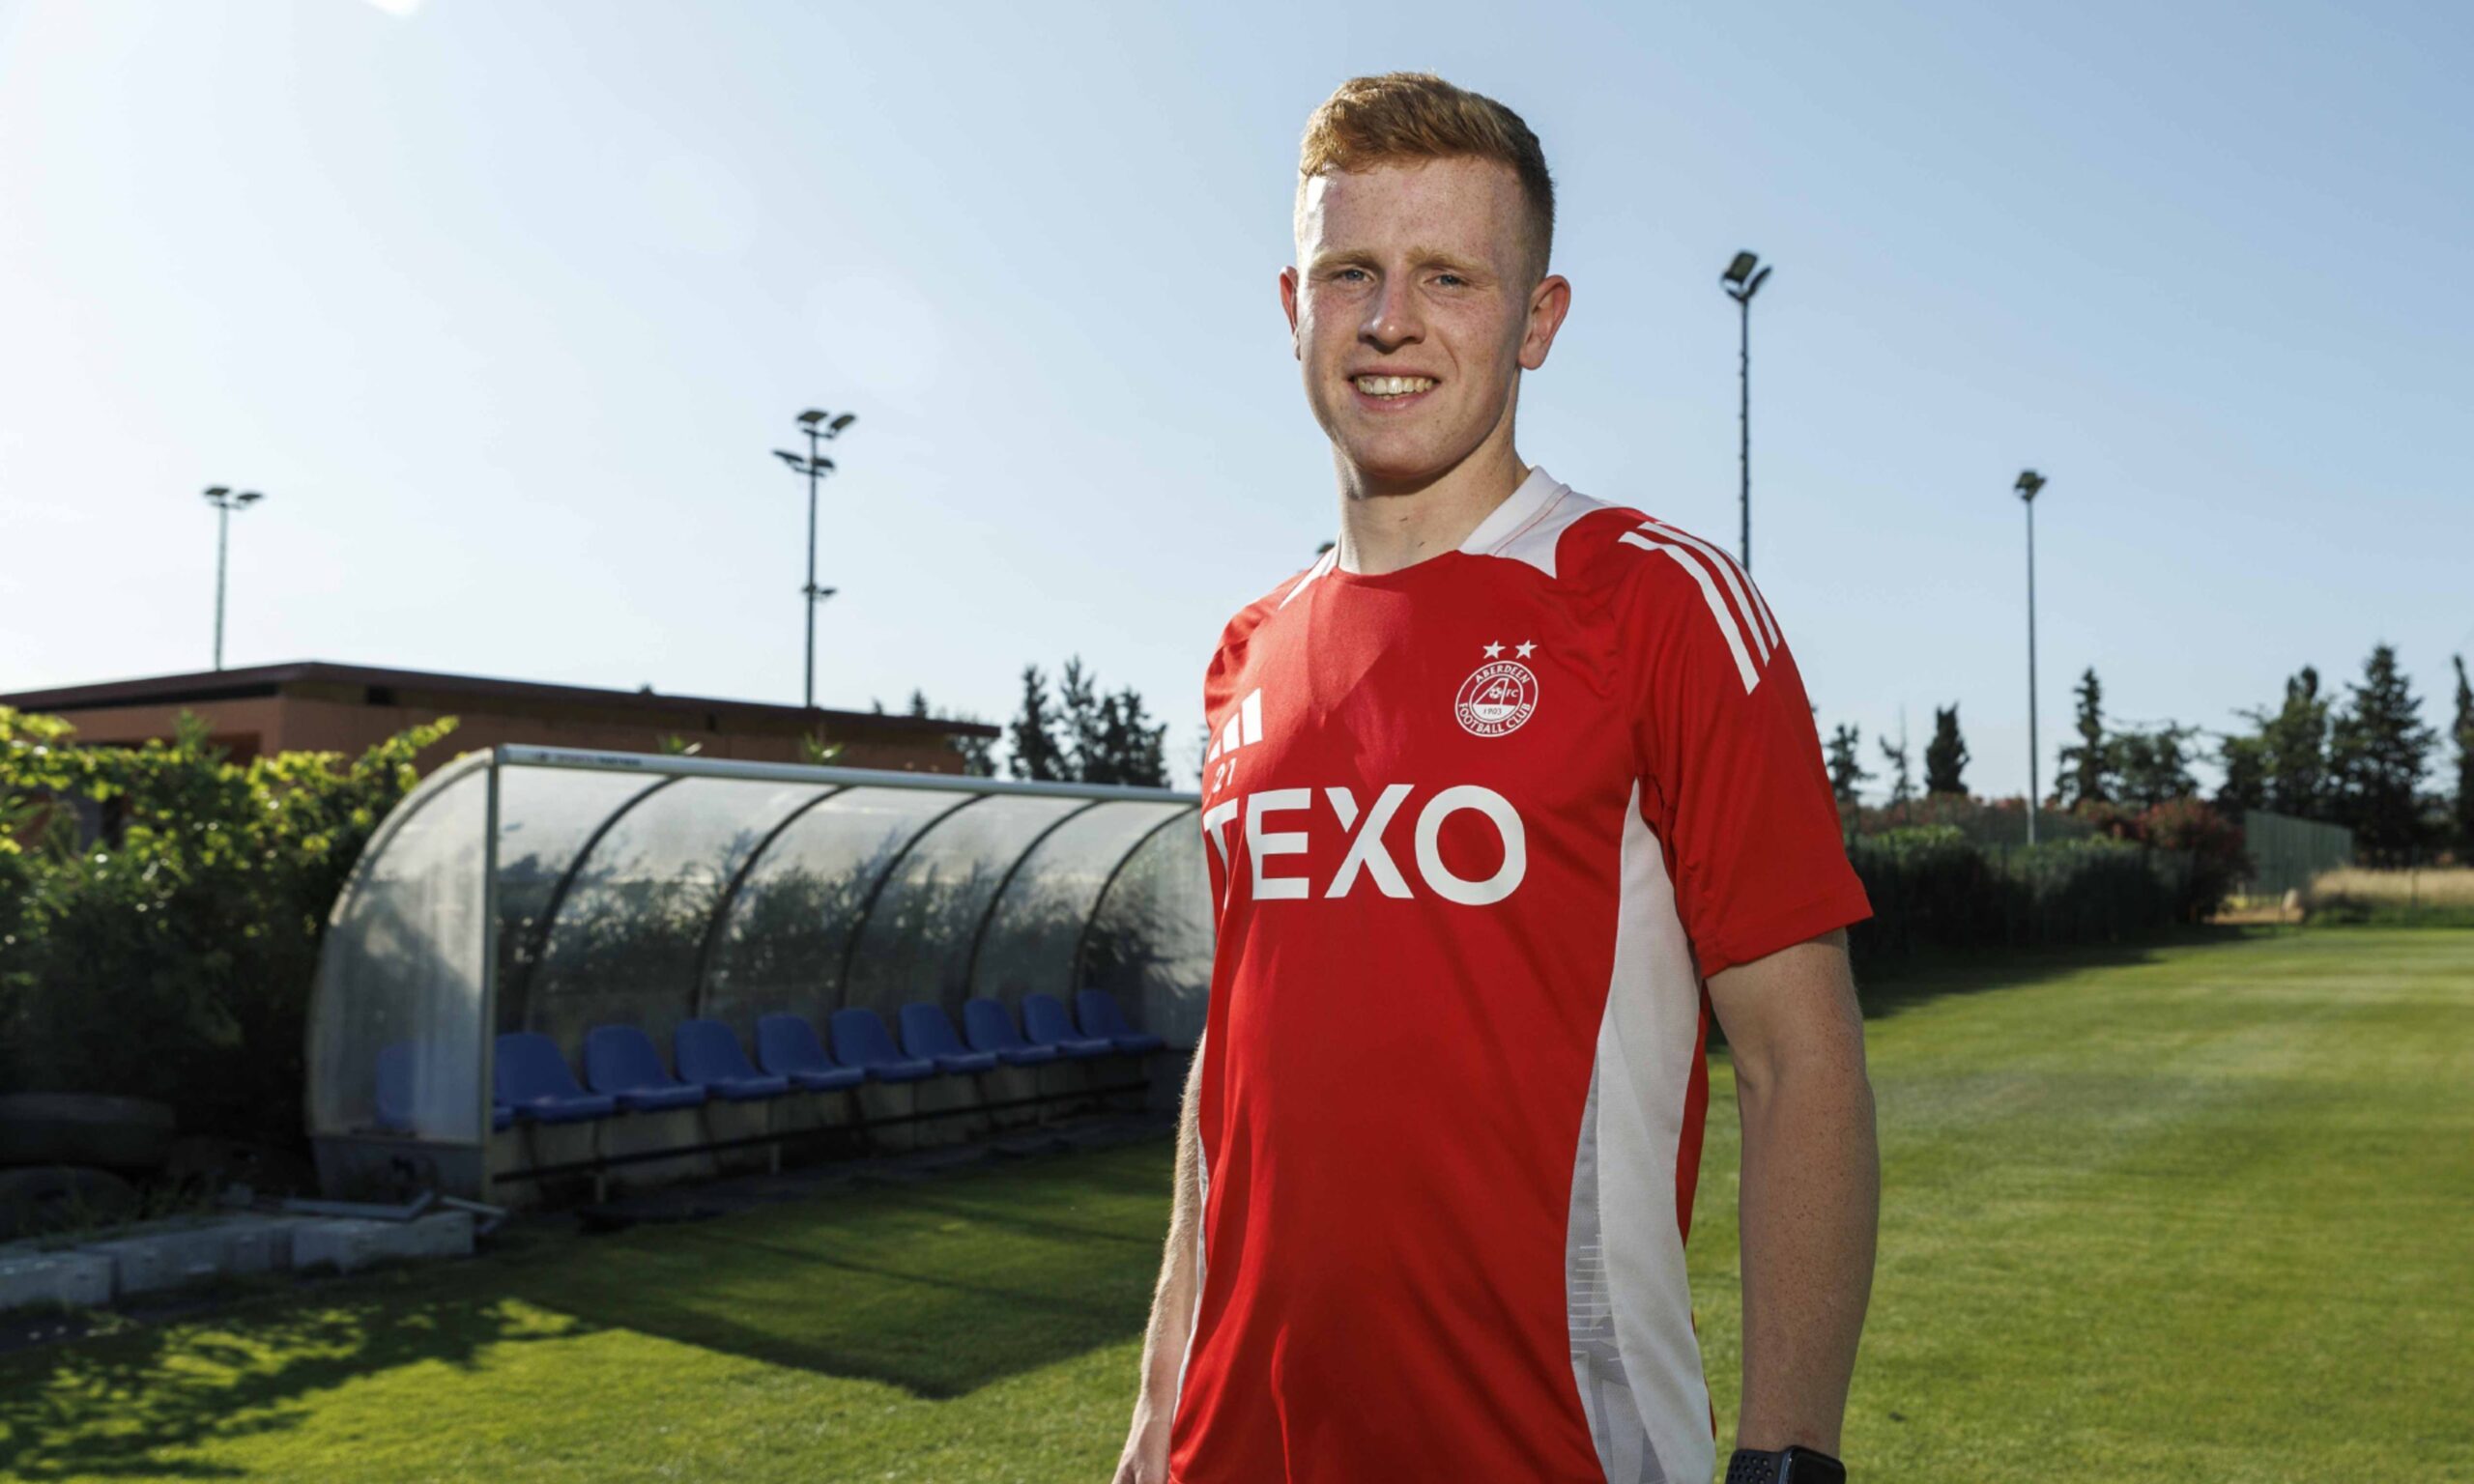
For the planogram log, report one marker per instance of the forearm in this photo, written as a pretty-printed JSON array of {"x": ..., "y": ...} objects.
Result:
[
  {"x": 1809, "y": 1208},
  {"x": 1173, "y": 1298}
]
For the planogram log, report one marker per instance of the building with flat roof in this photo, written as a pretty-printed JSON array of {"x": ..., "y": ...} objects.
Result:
[{"x": 311, "y": 705}]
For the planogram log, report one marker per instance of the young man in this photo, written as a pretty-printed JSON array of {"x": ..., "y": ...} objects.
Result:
[{"x": 1508, "y": 792}]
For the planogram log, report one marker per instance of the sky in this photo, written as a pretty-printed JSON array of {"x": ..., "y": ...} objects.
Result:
[{"x": 505, "y": 306}]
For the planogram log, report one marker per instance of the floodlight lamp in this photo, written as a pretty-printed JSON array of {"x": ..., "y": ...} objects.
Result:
[
  {"x": 1741, "y": 268},
  {"x": 217, "y": 491},
  {"x": 812, "y": 417},
  {"x": 2029, "y": 482},
  {"x": 824, "y": 465},
  {"x": 843, "y": 421},
  {"x": 251, "y": 497},
  {"x": 1754, "y": 287},
  {"x": 790, "y": 458}
]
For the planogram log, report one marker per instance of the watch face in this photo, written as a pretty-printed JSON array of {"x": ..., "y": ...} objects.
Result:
[{"x": 1803, "y": 1465}]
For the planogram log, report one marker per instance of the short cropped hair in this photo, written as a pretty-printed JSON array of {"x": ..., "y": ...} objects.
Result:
[{"x": 1401, "y": 117}]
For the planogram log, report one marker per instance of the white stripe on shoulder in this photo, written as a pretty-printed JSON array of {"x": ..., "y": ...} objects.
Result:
[
  {"x": 1325, "y": 564},
  {"x": 1651, "y": 539},
  {"x": 1755, "y": 608},
  {"x": 1529, "y": 524}
]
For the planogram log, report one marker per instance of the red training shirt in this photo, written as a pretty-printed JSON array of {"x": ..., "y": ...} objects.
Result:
[{"x": 1478, "y": 830}]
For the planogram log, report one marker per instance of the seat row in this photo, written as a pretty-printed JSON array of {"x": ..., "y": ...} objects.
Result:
[{"x": 624, "y": 1071}]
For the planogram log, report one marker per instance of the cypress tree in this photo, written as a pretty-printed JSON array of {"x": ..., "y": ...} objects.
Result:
[
  {"x": 1846, "y": 763},
  {"x": 2295, "y": 746},
  {"x": 2378, "y": 749},
  {"x": 2087, "y": 769},
  {"x": 1036, "y": 754},
  {"x": 2461, "y": 815},
  {"x": 1945, "y": 756},
  {"x": 2245, "y": 761}
]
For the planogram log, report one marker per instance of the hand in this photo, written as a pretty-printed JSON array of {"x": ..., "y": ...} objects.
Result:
[{"x": 1145, "y": 1459}]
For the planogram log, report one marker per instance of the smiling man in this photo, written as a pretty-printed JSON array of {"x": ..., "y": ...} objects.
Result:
[{"x": 1508, "y": 796}]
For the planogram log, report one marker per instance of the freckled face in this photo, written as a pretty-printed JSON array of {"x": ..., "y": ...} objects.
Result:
[{"x": 1414, "y": 309}]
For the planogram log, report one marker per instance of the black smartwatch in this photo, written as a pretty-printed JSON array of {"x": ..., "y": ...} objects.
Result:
[{"x": 1793, "y": 1464}]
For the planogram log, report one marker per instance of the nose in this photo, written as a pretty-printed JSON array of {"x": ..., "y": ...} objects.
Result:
[{"x": 1392, "y": 319}]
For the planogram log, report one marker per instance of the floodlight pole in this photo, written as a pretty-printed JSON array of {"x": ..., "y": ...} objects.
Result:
[
  {"x": 808, "y": 693},
  {"x": 819, "y": 426},
  {"x": 2029, "y": 482},
  {"x": 224, "y": 502},
  {"x": 1742, "y": 282}
]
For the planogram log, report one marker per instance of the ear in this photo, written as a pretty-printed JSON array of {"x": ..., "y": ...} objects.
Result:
[
  {"x": 1288, "y": 304},
  {"x": 1548, "y": 303}
]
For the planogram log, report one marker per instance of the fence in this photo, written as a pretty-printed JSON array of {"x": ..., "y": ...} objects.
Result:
[{"x": 2287, "y": 853}]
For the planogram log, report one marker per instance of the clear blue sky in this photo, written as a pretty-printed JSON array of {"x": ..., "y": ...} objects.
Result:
[{"x": 503, "y": 306}]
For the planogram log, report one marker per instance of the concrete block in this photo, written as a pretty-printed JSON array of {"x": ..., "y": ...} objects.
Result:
[
  {"x": 351, "y": 1243},
  {"x": 257, "y": 1243},
  {"x": 158, "y": 1260},
  {"x": 440, "y": 1234},
  {"x": 82, "y": 1279},
  {"x": 339, "y": 1242}
]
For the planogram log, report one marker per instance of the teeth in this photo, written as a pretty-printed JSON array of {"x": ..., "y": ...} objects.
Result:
[{"x": 1392, "y": 386}]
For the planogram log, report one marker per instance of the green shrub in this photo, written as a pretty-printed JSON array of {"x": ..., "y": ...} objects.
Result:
[
  {"x": 170, "y": 956},
  {"x": 1931, "y": 886}
]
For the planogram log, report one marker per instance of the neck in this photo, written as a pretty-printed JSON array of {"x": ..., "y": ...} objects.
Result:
[{"x": 1384, "y": 526}]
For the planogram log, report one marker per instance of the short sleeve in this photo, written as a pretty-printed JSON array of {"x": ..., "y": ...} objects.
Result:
[{"x": 1731, "y": 759}]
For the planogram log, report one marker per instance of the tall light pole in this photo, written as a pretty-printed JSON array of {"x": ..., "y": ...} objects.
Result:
[
  {"x": 224, "y": 502},
  {"x": 2029, "y": 482},
  {"x": 1741, "y": 283},
  {"x": 826, "y": 427}
]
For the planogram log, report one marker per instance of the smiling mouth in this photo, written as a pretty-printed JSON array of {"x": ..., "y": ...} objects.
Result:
[{"x": 1388, "y": 386}]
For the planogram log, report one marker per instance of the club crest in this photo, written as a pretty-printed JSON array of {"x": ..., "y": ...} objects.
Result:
[{"x": 1496, "y": 698}]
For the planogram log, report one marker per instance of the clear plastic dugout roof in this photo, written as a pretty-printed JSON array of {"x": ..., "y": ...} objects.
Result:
[{"x": 539, "y": 888}]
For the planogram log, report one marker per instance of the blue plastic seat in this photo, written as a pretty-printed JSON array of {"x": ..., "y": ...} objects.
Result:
[
  {"x": 990, "y": 1027},
  {"x": 1101, "y": 1015},
  {"x": 709, "y": 1055},
  {"x": 787, "y": 1046},
  {"x": 1046, "y": 1022},
  {"x": 859, "y": 1039},
  {"x": 926, "y": 1034},
  {"x": 621, "y": 1060},
  {"x": 534, "y": 1081}
]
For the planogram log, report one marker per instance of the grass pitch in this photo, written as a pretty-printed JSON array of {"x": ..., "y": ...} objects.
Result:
[{"x": 2204, "y": 1212}]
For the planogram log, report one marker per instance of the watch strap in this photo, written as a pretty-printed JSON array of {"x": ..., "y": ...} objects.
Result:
[{"x": 1793, "y": 1464}]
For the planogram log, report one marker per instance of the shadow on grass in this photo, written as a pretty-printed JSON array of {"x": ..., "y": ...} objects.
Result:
[
  {"x": 1886, "y": 986},
  {"x": 112, "y": 1407},
  {"x": 936, "y": 1289}
]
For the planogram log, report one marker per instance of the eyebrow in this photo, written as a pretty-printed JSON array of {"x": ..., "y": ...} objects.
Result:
[{"x": 1422, "y": 257}]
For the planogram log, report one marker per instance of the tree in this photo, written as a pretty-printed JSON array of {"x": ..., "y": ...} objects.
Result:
[
  {"x": 1846, "y": 763},
  {"x": 1086, "y": 736},
  {"x": 1130, "y": 747},
  {"x": 2461, "y": 814},
  {"x": 1945, "y": 756},
  {"x": 2153, "y": 767},
  {"x": 1078, "y": 697},
  {"x": 1036, "y": 754},
  {"x": 2294, "y": 743},
  {"x": 1902, "y": 778},
  {"x": 2378, "y": 749},
  {"x": 2087, "y": 769},
  {"x": 2245, "y": 761}
]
